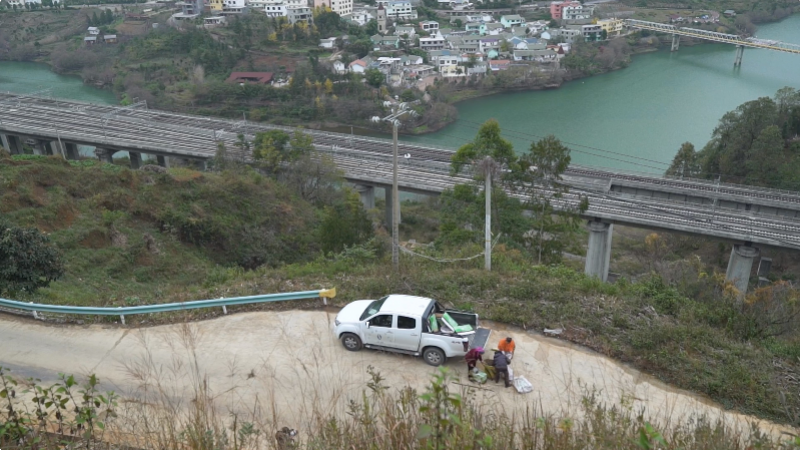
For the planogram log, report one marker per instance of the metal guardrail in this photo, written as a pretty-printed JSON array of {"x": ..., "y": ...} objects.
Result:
[{"x": 122, "y": 311}]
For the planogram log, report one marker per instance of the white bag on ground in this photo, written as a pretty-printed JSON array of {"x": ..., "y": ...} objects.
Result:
[
  {"x": 522, "y": 385},
  {"x": 510, "y": 374}
]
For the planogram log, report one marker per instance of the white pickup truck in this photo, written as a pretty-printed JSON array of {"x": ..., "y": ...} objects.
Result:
[{"x": 411, "y": 325}]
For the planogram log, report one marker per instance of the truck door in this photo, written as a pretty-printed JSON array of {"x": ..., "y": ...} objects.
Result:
[
  {"x": 407, "y": 333},
  {"x": 380, "y": 330}
]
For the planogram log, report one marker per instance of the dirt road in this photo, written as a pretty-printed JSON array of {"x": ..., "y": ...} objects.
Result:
[{"x": 290, "y": 362}]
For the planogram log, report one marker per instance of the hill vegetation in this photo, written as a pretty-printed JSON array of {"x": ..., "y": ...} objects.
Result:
[{"x": 758, "y": 143}]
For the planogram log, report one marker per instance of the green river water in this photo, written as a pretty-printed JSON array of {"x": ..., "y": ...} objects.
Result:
[
  {"x": 633, "y": 119},
  {"x": 646, "y": 110}
]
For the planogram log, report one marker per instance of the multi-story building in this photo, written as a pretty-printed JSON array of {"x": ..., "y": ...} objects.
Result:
[
  {"x": 591, "y": 32},
  {"x": 299, "y": 14},
  {"x": 612, "y": 27},
  {"x": 233, "y": 6},
  {"x": 398, "y": 9},
  {"x": 429, "y": 25},
  {"x": 576, "y": 12},
  {"x": 215, "y": 5},
  {"x": 433, "y": 42},
  {"x": 340, "y": 7},
  {"x": 556, "y": 8},
  {"x": 568, "y": 32}
]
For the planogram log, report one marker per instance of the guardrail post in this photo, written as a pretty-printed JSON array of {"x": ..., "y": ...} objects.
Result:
[
  {"x": 224, "y": 309},
  {"x": 35, "y": 315},
  {"x": 122, "y": 318}
]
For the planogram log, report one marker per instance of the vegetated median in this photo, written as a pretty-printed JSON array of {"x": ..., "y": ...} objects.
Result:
[{"x": 140, "y": 237}]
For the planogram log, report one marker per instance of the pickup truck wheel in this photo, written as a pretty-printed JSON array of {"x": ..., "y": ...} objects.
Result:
[
  {"x": 351, "y": 342},
  {"x": 433, "y": 356}
]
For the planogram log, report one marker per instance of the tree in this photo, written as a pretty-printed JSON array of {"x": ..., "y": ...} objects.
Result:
[
  {"x": 109, "y": 16},
  {"x": 371, "y": 28},
  {"x": 27, "y": 260},
  {"x": 766, "y": 158},
  {"x": 685, "y": 162},
  {"x": 538, "y": 176},
  {"x": 488, "y": 154},
  {"x": 270, "y": 149},
  {"x": 374, "y": 77},
  {"x": 344, "y": 224},
  {"x": 275, "y": 148}
]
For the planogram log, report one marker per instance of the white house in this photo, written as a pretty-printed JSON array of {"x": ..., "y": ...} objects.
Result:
[
  {"x": 361, "y": 16},
  {"x": 409, "y": 30},
  {"x": 513, "y": 20},
  {"x": 339, "y": 67},
  {"x": 358, "y": 66},
  {"x": 93, "y": 30},
  {"x": 328, "y": 42}
]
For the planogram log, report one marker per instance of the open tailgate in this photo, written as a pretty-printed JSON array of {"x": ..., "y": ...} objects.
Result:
[{"x": 480, "y": 338}]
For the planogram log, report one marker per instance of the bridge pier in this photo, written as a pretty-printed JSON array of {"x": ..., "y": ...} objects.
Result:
[
  {"x": 71, "y": 151},
  {"x": 136, "y": 160},
  {"x": 367, "y": 194},
  {"x": 4, "y": 142},
  {"x": 598, "y": 255},
  {"x": 740, "y": 265},
  {"x": 40, "y": 147},
  {"x": 105, "y": 155},
  {"x": 162, "y": 161},
  {"x": 14, "y": 144},
  {"x": 739, "y": 52},
  {"x": 676, "y": 42}
]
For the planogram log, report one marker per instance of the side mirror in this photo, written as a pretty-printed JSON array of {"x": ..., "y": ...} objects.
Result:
[{"x": 367, "y": 324}]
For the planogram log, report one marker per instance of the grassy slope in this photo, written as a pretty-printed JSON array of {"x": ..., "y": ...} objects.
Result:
[
  {"x": 694, "y": 343},
  {"x": 102, "y": 217}
]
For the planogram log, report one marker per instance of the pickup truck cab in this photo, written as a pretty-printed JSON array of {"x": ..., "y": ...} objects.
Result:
[{"x": 410, "y": 325}]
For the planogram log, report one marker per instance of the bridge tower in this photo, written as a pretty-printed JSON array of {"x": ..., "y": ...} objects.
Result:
[
  {"x": 739, "y": 52},
  {"x": 676, "y": 42}
]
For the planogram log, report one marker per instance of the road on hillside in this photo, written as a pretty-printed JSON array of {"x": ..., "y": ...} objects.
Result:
[{"x": 290, "y": 364}]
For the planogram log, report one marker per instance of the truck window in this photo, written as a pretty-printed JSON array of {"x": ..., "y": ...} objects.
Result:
[
  {"x": 406, "y": 323},
  {"x": 373, "y": 309},
  {"x": 384, "y": 320}
]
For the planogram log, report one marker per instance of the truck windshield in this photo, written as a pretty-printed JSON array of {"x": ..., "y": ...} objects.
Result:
[{"x": 372, "y": 309}]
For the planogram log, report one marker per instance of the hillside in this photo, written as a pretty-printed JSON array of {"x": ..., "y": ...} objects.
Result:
[
  {"x": 131, "y": 236},
  {"x": 138, "y": 237}
]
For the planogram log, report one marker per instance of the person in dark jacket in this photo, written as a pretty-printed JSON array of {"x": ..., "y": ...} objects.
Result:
[
  {"x": 472, "y": 357},
  {"x": 501, "y": 367}
]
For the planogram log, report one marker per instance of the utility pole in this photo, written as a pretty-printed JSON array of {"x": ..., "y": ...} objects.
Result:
[
  {"x": 487, "y": 234},
  {"x": 398, "y": 110}
]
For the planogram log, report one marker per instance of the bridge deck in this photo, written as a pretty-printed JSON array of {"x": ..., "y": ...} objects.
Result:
[{"x": 714, "y": 36}]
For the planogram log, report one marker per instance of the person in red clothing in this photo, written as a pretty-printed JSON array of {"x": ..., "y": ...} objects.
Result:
[
  {"x": 507, "y": 346},
  {"x": 472, "y": 357}
]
